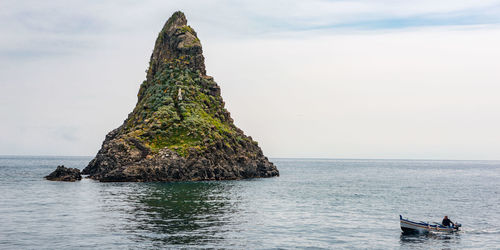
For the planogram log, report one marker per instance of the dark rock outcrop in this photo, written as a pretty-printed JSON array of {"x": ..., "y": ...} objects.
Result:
[
  {"x": 179, "y": 129},
  {"x": 63, "y": 173}
]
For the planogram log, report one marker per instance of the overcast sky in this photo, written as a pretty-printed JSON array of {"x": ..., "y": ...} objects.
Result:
[{"x": 336, "y": 79}]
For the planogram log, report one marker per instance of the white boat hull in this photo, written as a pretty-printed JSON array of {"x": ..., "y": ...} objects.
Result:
[{"x": 409, "y": 226}]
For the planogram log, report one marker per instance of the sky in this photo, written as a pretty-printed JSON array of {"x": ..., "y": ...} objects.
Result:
[{"x": 378, "y": 79}]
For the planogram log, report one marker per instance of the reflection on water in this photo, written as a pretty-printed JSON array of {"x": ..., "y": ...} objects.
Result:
[
  {"x": 444, "y": 240},
  {"x": 183, "y": 213}
]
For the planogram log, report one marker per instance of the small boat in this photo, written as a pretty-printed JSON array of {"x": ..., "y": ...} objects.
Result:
[{"x": 409, "y": 226}]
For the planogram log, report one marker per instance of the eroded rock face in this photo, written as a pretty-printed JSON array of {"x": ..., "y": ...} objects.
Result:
[
  {"x": 179, "y": 129},
  {"x": 63, "y": 173}
]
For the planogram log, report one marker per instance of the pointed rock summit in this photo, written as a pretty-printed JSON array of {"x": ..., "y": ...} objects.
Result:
[{"x": 179, "y": 129}]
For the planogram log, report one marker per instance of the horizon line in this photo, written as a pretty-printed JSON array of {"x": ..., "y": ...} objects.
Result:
[{"x": 298, "y": 158}]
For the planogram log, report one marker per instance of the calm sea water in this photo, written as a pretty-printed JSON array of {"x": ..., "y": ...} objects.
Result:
[{"x": 314, "y": 203}]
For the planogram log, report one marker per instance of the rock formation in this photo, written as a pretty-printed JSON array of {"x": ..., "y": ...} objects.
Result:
[
  {"x": 179, "y": 129},
  {"x": 63, "y": 173}
]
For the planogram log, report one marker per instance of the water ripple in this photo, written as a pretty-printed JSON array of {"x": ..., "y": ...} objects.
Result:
[{"x": 314, "y": 204}]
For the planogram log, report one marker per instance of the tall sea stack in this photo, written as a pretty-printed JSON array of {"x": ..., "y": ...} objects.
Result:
[{"x": 179, "y": 130}]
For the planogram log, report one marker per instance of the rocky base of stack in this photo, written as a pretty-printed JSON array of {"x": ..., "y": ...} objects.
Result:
[{"x": 128, "y": 160}]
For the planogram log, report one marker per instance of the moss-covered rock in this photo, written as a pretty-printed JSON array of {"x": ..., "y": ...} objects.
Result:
[{"x": 179, "y": 129}]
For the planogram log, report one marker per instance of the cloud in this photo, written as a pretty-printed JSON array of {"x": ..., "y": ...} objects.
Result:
[
  {"x": 427, "y": 93},
  {"x": 31, "y": 28}
]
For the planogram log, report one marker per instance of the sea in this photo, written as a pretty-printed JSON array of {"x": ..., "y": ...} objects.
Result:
[{"x": 314, "y": 203}]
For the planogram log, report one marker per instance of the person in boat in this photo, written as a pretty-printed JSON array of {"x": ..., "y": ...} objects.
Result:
[{"x": 447, "y": 222}]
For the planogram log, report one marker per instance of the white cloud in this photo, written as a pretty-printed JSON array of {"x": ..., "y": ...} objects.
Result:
[{"x": 418, "y": 94}]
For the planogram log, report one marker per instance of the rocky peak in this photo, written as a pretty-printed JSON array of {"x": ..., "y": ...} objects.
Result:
[
  {"x": 177, "y": 43},
  {"x": 179, "y": 129},
  {"x": 177, "y": 20}
]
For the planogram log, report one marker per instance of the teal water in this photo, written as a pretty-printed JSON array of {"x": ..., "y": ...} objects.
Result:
[{"x": 314, "y": 203}]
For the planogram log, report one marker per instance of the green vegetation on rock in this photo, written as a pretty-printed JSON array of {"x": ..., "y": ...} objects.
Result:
[{"x": 193, "y": 119}]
